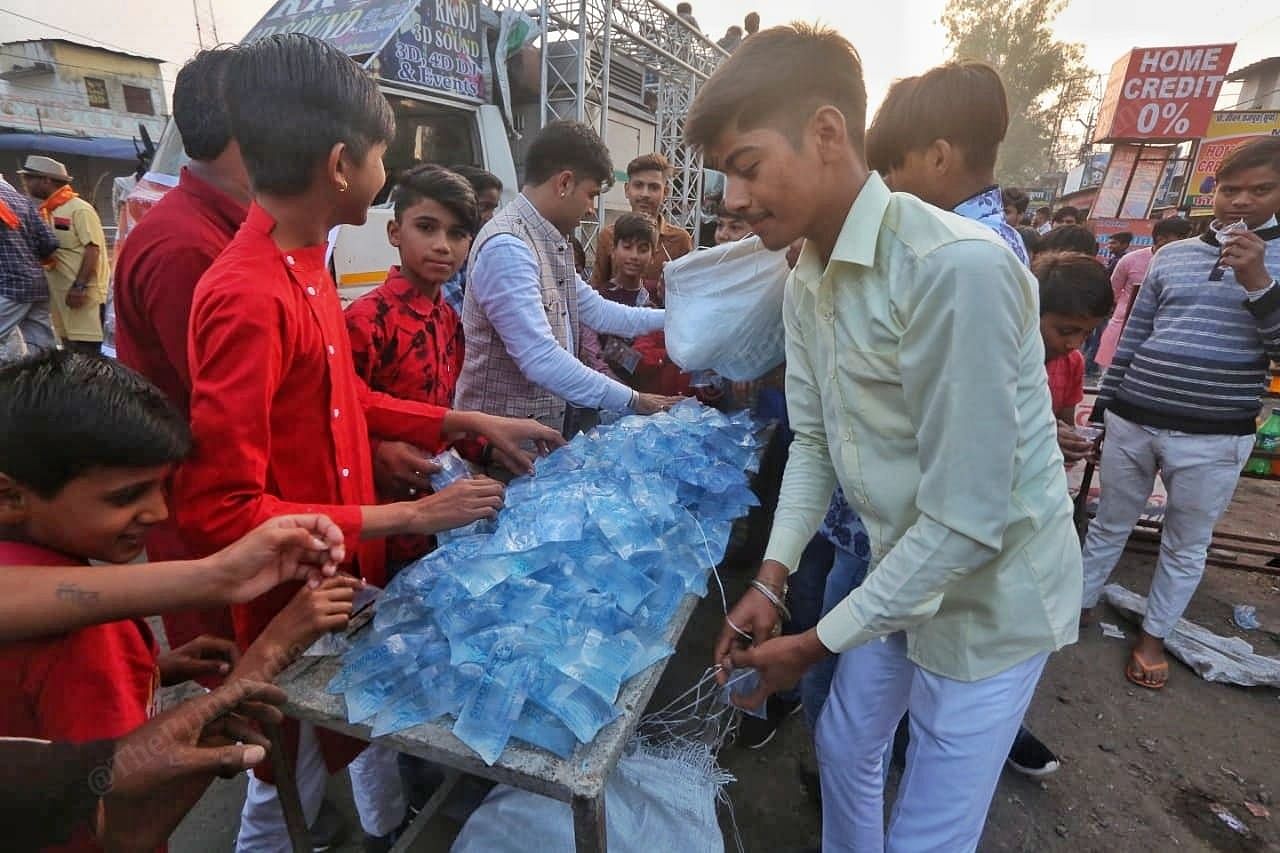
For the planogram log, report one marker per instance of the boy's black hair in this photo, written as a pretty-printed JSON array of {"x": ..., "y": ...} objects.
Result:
[
  {"x": 1264, "y": 151},
  {"x": 62, "y": 414},
  {"x": 1016, "y": 198},
  {"x": 1046, "y": 211},
  {"x": 1122, "y": 237},
  {"x": 567, "y": 146},
  {"x": 1070, "y": 238},
  {"x": 480, "y": 179},
  {"x": 199, "y": 108},
  {"x": 779, "y": 78},
  {"x": 635, "y": 226},
  {"x": 1031, "y": 239},
  {"x": 961, "y": 102},
  {"x": 449, "y": 189},
  {"x": 1073, "y": 284},
  {"x": 1065, "y": 211},
  {"x": 292, "y": 98},
  {"x": 1175, "y": 228}
]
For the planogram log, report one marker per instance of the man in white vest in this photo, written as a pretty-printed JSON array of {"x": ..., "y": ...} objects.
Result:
[{"x": 525, "y": 307}]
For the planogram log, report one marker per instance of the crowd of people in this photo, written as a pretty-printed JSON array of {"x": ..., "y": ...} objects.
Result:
[{"x": 272, "y": 453}]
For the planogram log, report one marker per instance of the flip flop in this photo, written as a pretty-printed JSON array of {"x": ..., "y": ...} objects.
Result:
[{"x": 1146, "y": 673}]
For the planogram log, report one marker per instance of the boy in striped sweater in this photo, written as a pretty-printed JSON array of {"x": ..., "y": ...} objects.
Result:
[{"x": 1183, "y": 393}]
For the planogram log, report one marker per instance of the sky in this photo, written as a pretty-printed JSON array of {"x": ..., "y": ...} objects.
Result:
[{"x": 902, "y": 38}]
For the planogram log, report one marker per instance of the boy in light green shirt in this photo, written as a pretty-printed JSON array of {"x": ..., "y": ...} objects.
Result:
[{"x": 915, "y": 380}]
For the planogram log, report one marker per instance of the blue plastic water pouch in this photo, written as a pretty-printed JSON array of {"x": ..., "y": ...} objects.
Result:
[
  {"x": 540, "y": 728},
  {"x": 596, "y": 661},
  {"x": 742, "y": 683},
  {"x": 626, "y": 531},
  {"x": 394, "y": 652},
  {"x": 581, "y": 709},
  {"x": 646, "y": 652},
  {"x": 368, "y": 696},
  {"x": 489, "y": 716},
  {"x": 466, "y": 617}
]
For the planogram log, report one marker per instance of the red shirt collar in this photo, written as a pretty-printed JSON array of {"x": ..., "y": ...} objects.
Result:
[
  {"x": 230, "y": 210},
  {"x": 403, "y": 289},
  {"x": 309, "y": 258}
]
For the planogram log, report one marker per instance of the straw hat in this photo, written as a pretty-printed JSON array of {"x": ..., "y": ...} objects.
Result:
[{"x": 45, "y": 167}]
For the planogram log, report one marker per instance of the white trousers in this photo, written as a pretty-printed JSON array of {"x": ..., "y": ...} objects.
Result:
[
  {"x": 375, "y": 786},
  {"x": 1200, "y": 473},
  {"x": 961, "y": 733}
]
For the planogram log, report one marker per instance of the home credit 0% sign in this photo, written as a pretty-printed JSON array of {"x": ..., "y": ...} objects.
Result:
[
  {"x": 1163, "y": 93},
  {"x": 1173, "y": 118}
]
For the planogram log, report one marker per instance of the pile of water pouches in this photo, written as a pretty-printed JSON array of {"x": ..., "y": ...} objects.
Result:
[{"x": 530, "y": 630}]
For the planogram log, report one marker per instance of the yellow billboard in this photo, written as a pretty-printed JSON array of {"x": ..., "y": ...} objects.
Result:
[{"x": 1228, "y": 130}]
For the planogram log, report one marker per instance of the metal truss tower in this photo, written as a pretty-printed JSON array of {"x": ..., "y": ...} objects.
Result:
[{"x": 676, "y": 57}]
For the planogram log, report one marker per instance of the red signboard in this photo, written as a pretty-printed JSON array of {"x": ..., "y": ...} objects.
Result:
[
  {"x": 1163, "y": 93},
  {"x": 1104, "y": 228}
]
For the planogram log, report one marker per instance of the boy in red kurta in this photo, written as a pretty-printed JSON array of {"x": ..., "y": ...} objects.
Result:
[
  {"x": 279, "y": 418},
  {"x": 65, "y": 498}
]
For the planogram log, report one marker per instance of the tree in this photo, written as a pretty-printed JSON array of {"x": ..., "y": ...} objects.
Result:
[{"x": 1046, "y": 80}]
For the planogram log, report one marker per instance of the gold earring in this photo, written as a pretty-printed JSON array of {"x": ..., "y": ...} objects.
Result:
[{"x": 342, "y": 187}]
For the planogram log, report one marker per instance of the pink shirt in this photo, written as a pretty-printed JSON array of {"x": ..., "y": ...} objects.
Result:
[{"x": 1129, "y": 273}]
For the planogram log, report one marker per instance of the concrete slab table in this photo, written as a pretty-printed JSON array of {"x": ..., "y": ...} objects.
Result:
[{"x": 578, "y": 780}]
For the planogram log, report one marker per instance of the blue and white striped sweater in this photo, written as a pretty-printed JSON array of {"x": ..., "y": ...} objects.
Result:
[{"x": 1195, "y": 353}]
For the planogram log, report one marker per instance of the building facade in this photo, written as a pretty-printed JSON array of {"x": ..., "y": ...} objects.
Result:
[{"x": 81, "y": 104}]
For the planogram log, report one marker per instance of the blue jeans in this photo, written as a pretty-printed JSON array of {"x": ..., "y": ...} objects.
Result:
[{"x": 825, "y": 576}]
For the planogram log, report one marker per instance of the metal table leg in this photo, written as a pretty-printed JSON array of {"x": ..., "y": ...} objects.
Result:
[
  {"x": 282, "y": 764},
  {"x": 419, "y": 825},
  {"x": 588, "y": 825}
]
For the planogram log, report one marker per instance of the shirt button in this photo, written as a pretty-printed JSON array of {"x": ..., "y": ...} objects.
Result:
[
  {"x": 848, "y": 435},
  {"x": 288, "y": 259},
  {"x": 311, "y": 291},
  {"x": 346, "y": 472},
  {"x": 333, "y": 350},
  {"x": 336, "y": 413}
]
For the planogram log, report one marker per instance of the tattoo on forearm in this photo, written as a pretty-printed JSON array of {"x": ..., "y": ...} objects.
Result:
[{"x": 73, "y": 593}]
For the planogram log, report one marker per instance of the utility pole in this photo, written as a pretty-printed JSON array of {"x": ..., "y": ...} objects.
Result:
[
  {"x": 213, "y": 22},
  {"x": 195, "y": 11}
]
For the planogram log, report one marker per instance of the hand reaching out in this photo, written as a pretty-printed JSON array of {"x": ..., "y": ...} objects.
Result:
[
  {"x": 312, "y": 613},
  {"x": 461, "y": 503},
  {"x": 205, "y": 655},
  {"x": 401, "y": 470},
  {"x": 291, "y": 547},
  {"x": 161, "y": 769}
]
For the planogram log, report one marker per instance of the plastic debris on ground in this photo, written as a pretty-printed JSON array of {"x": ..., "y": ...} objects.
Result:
[
  {"x": 1246, "y": 617},
  {"x": 1112, "y": 631},
  {"x": 531, "y": 629},
  {"x": 1229, "y": 660}
]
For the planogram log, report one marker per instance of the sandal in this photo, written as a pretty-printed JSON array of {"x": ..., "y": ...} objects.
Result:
[{"x": 1144, "y": 674}]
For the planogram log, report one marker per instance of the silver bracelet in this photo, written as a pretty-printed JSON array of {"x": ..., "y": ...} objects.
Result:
[{"x": 764, "y": 590}]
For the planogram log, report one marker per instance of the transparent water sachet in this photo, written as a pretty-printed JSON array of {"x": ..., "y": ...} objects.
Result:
[{"x": 489, "y": 715}]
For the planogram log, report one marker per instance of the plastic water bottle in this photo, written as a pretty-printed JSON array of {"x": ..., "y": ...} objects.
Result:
[{"x": 1267, "y": 441}]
